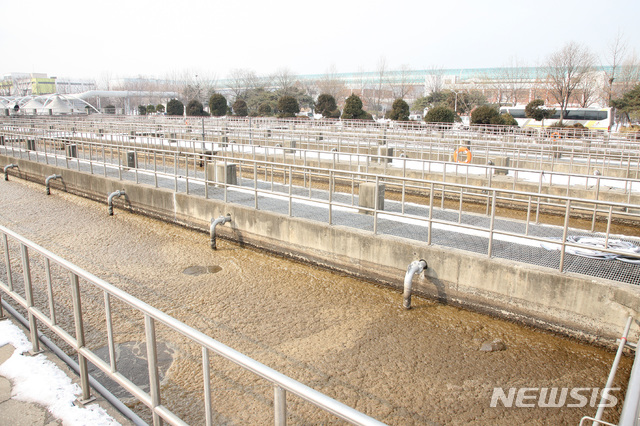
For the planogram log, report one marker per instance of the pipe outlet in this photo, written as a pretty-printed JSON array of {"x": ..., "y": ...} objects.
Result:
[
  {"x": 6, "y": 170},
  {"x": 118, "y": 193},
  {"x": 48, "y": 180},
  {"x": 416, "y": 267},
  {"x": 219, "y": 221}
]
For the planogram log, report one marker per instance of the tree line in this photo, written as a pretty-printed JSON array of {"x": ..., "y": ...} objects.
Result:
[{"x": 566, "y": 78}]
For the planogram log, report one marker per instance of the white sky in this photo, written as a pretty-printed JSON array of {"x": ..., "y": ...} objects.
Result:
[{"x": 116, "y": 38}]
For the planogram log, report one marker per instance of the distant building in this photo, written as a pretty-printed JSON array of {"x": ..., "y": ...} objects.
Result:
[{"x": 36, "y": 84}]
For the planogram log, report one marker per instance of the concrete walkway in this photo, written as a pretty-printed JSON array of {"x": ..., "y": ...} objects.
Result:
[{"x": 20, "y": 413}]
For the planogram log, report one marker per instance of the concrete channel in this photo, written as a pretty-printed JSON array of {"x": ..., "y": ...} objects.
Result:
[
  {"x": 586, "y": 307},
  {"x": 343, "y": 336}
]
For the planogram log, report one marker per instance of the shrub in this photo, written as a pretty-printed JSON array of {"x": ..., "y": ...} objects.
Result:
[
  {"x": 288, "y": 107},
  {"x": 508, "y": 120},
  {"x": 353, "y": 109},
  {"x": 326, "y": 105},
  {"x": 151, "y": 109},
  {"x": 535, "y": 109},
  {"x": 160, "y": 108},
  {"x": 399, "y": 110},
  {"x": 218, "y": 105},
  {"x": 484, "y": 114},
  {"x": 440, "y": 114},
  {"x": 175, "y": 107},
  {"x": 264, "y": 110},
  {"x": 240, "y": 108},
  {"x": 195, "y": 108}
]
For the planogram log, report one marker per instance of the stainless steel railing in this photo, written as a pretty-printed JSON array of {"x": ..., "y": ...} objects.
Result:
[
  {"x": 75, "y": 338},
  {"x": 614, "y": 154},
  {"x": 185, "y": 170}
]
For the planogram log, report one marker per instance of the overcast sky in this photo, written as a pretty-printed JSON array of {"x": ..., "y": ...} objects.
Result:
[{"x": 117, "y": 38}]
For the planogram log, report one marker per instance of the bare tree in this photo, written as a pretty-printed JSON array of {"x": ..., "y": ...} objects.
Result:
[
  {"x": 497, "y": 84},
  {"x": 284, "y": 80},
  {"x": 241, "y": 80},
  {"x": 402, "y": 86},
  {"x": 587, "y": 91},
  {"x": 434, "y": 81},
  {"x": 566, "y": 69},
  {"x": 615, "y": 57},
  {"x": 516, "y": 77},
  {"x": 332, "y": 85},
  {"x": 628, "y": 76},
  {"x": 365, "y": 87},
  {"x": 380, "y": 83}
]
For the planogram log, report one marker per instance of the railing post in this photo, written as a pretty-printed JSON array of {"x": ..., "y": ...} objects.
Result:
[
  {"x": 77, "y": 316},
  {"x": 52, "y": 310},
  {"x": 492, "y": 223},
  {"x": 33, "y": 324},
  {"x": 152, "y": 361},
  {"x": 7, "y": 261},
  {"x": 564, "y": 235},
  {"x": 279, "y": 406},
  {"x": 431, "y": 188},
  {"x": 206, "y": 374},
  {"x": 375, "y": 206},
  {"x": 110, "y": 340}
]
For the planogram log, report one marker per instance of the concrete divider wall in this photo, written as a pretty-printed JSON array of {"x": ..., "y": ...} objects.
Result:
[{"x": 580, "y": 306}]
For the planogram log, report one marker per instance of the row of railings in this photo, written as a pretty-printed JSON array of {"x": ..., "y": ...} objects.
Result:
[
  {"x": 375, "y": 161},
  {"x": 609, "y": 155},
  {"x": 82, "y": 310},
  {"x": 334, "y": 190}
]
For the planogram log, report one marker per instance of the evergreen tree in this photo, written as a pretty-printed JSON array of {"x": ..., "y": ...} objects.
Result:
[
  {"x": 195, "y": 108},
  {"x": 629, "y": 104},
  {"x": 440, "y": 114},
  {"x": 535, "y": 109},
  {"x": 264, "y": 110},
  {"x": 400, "y": 110},
  {"x": 326, "y": 105},
  {"x": 288, "y": 106},
  {"x": 353, "y": 109},
  {"x": 218, "y": 105},
  {"x": 240, "y": 108},
  {"x": 175, "y": 107},
  {"x": 484, "y": 114}
]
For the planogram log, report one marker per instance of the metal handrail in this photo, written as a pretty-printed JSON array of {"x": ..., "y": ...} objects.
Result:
[
  {"x": 303, "y": 130},
  {"x": 491, "y": 195},
  {"x": 450, "y": 170},
  {"x": 151, "y": 315}
]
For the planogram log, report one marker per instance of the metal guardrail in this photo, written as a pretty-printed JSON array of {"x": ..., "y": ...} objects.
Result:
[
  {"x": 539, "y": 149},
  {"x": 180, "y": 169},
  {"x": 151, "y": 316},
  {"x": 445, "y": 171}
]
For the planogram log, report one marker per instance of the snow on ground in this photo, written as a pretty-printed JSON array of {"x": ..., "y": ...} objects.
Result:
[{"x": 36, "y": 379}]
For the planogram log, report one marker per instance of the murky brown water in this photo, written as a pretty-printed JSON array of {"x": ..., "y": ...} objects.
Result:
[{"x": 344, "y": 337}]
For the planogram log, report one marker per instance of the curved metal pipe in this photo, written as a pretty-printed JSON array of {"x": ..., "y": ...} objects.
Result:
[
  {"x": 221, "y": 220},
  {"x": 110, "y": 199},
  {"x": 416, "y": 267},
  {"x": 6, "y": 169},
  {"x": 48, "y": 180}
]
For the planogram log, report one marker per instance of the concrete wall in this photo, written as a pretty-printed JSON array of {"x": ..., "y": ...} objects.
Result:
[{"x": 580, "y": 306}]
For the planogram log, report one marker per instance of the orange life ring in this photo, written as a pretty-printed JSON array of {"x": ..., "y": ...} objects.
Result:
[
  {"x": 459, "y": 151},
  {"x": 555, "y": 136}
]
